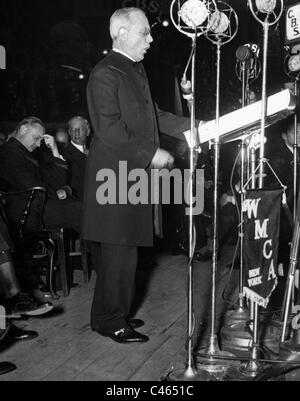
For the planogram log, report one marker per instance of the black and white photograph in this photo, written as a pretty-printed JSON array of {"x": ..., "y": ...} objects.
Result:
[{"x": 149, "y": 181}]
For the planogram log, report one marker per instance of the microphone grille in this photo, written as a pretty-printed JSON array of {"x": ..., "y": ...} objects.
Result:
[
  {"x": 243, "y": 53},
  {"x": 193, "y": 13},
  {"x": 219, "y": 22},
  {"x": 266, "y": 6}
]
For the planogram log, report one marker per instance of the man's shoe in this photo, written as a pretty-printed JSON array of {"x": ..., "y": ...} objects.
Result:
[
  {"x": 135, "y": 323},
  {"x": 24, "y": 304},
  {"x": 17, "y": 334},
  {"x": 127, "y": 335},
  {"x": 6, "y": 367}
]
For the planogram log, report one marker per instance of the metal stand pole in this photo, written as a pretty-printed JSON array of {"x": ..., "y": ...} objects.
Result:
[
  {"x": 253, "y": 366},
  {"x": 205, "y": 357},
  {"x": 241, "y": 313},
  {"x": 295, "y": 158},
  {"x": 295, "y": 175},
  {"x": 222, "y": 34},
  {"x": 265, "y": 11},
  {"x": 213, "y": 343},
  {"x": 190, "y": 373}
]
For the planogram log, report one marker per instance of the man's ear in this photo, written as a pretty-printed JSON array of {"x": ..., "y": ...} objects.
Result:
[
  {"x": 88, "y": 130},
  {"x": 123, "y": 33},
  {"x": 23, "y": 130}
]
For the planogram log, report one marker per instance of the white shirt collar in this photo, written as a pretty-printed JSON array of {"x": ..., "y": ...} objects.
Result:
[
  {"x": 79, "y": 147},
  {"x": 124, "y": 54}
]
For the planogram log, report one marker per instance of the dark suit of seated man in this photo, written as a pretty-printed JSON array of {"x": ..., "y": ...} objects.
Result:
[
  {"x": 75, "y": 153},
  {"x": 20, "y": 169}
]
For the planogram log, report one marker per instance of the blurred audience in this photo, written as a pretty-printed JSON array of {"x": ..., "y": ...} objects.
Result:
[
  {"x": 3, "y": 138},
  {"x": 61, "y": 136}
]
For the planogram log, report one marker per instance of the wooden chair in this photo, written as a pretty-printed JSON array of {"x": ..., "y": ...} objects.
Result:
[{"x": 29, "y": 228}]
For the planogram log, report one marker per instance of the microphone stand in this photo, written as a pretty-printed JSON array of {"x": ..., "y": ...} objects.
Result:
[
  {"x": 233, "y": 332},
  {"x": 206, "y": 358},
  {"x": 253, "y": 367},
  {"x": 295, "y": 171},
  {"x": 189, "y": 373}
]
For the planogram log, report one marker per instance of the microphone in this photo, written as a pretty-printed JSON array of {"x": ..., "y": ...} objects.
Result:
[
  {"x": 219, "y": 22},
  {"x": 186, "y": 88},
  {"x": 247, "y": 58},
  {"x": 193, "y": 13},
  {"x": 266, "y": 6},
  {"x": 243, "y": 53}
]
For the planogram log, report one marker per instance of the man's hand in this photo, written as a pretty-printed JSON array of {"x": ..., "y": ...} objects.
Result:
[
  {"x": 50, "y": 143},
  {"x": 162, "y": 159}
]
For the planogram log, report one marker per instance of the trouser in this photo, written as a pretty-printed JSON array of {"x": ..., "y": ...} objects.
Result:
[
  {"x": 63, "y": 213},
  {"x": 114, "y": 291}
]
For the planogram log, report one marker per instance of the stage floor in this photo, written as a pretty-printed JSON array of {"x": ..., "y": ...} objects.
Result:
[{"x": 67, "y": 350}]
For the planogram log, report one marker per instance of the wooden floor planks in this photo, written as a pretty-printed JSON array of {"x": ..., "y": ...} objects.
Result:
[{"x": 67, "y": 349}]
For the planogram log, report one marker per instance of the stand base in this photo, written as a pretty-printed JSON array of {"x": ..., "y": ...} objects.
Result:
[
  {"x": 188, "y": 374},
  {"x": 237, "y": 315},
  {"x": 211, "y": 359},
  {"x": 289, "y": 351},
  {"x": 244, "y": 373},
  {"x": 235, "y": 336}
]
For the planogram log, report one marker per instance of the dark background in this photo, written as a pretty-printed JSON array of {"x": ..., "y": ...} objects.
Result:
[{"x": 42, "y": 35}]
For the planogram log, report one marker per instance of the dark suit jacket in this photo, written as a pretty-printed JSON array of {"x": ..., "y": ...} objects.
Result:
[
  {"x": 76, "y": 162},
  {"x": 126, "y": 124},
  {"x": 20, "y": 169}
]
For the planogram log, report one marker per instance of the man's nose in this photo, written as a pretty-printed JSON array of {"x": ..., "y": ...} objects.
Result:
[{"x": 150, "y": 38}]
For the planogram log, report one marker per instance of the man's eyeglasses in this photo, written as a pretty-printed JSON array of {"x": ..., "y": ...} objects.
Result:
[{"x": 77, "y": 130}]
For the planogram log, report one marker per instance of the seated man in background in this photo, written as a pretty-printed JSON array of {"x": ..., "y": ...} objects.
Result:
[
  {"x": 19, "y": 170},
  {"x": 3, "y": 138},
  {"x": 75, "y": 153}
]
